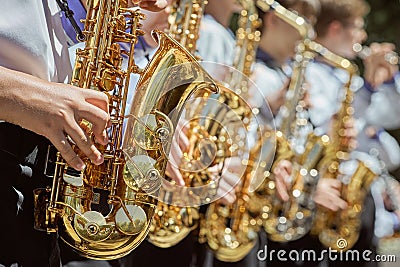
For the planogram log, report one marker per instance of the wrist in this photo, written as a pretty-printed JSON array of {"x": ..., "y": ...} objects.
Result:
[{"x": 368, "y": 87}]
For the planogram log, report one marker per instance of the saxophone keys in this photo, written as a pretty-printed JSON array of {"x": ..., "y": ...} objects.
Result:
[
  {"x": 91, "y": 226},
  {"x": 141, "y": 174},
  {"x": 131, "y": 219},
  {"x": 150, "y": 130}
]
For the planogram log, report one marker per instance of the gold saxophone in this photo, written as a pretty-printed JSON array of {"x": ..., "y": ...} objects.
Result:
[
  {"x": 229, "y": 229},
  {"x": 292, "y": 219},
  {"x": 340, "y": 230},
  {"x": 134, "y": 161},
  {"x": 171, "y": 223}
]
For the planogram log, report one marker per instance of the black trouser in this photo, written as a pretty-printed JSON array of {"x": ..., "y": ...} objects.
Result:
[
  {"x": 146, "y": 254},
  {"x": 22, "y": 155},
  {"x": 291, "y": 253}
]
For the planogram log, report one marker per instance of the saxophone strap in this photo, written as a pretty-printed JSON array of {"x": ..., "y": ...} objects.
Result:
[{"x": 69, "y": 14}]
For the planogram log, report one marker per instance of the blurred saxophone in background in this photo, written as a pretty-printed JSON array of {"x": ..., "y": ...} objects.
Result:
[
  {"x": 229, "y": 230},
  {"x": 340, "y": 230},
  {"x": 134, "y": 160},
  {"x": 290, "y": 220},
  {"x": 172, "y": 223}
]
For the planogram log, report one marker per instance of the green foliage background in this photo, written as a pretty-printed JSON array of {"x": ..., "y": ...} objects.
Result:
[{"x": 383, "y": 21}]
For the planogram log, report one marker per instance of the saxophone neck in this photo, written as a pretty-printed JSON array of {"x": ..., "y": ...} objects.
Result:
[
  {"x": 334, "y": 59},
  {"x": 340, "y": 143},
  {"x": 248, "y": 37},
  {"x": 293, "y": 99}
]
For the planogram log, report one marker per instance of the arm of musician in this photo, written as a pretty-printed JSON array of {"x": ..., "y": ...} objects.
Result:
[
  {"x": 327, "y": 194},
  {"x": 393, "y": 192},
  {"x": 386, "y": 221},
  {"x": 271, "y": 84},
  {"x": 391, "y": 200},
  {"x": 322, "y": 94},
  {"x": 226, "y": 192},
  {"x": 372, "y": 138},
  {"x": 55, "y": 110},
  {"x": 282, "y": 172}
]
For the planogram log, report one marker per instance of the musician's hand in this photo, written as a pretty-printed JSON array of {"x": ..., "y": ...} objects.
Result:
[
  {"x": 180, "y": 143},
  {"x": 377, "y": 69},
  {"x": 55, "y": 111},
  {"x": 151, "y": 5},
  {"x": 282, "y": 173},
  {"x": 327, "y": 194},
  {"x": 229, "y": 178},
  {"x": 350, "y": 132}
]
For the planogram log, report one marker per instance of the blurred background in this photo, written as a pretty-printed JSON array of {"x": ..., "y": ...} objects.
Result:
[
  {"x": 383, "y": 25},
  {"x": 383, "y": 22}
]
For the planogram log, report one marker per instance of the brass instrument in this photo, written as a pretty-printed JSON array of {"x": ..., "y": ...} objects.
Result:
[
  {"x": 340, "y": 230},
  {"x": 172, "y": 223},
  {"x": 229, "y": 229},
  {"x": 134, "y": 160},
  {"x": 292, "y": 219},
  {"x": 184, "y": 22}
]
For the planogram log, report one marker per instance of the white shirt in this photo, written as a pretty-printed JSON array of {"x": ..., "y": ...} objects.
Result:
[
  {"x": 216, "y": 43},
  {"x": 32, "y": 39},
  {"x": 268, "y": 80},
  {"x": 384, "y": 108}
]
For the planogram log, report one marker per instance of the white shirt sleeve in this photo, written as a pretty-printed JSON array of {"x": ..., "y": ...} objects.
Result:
[
  {"x": 215, "y": 43},
  {"x": 384, "y": 109}
]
